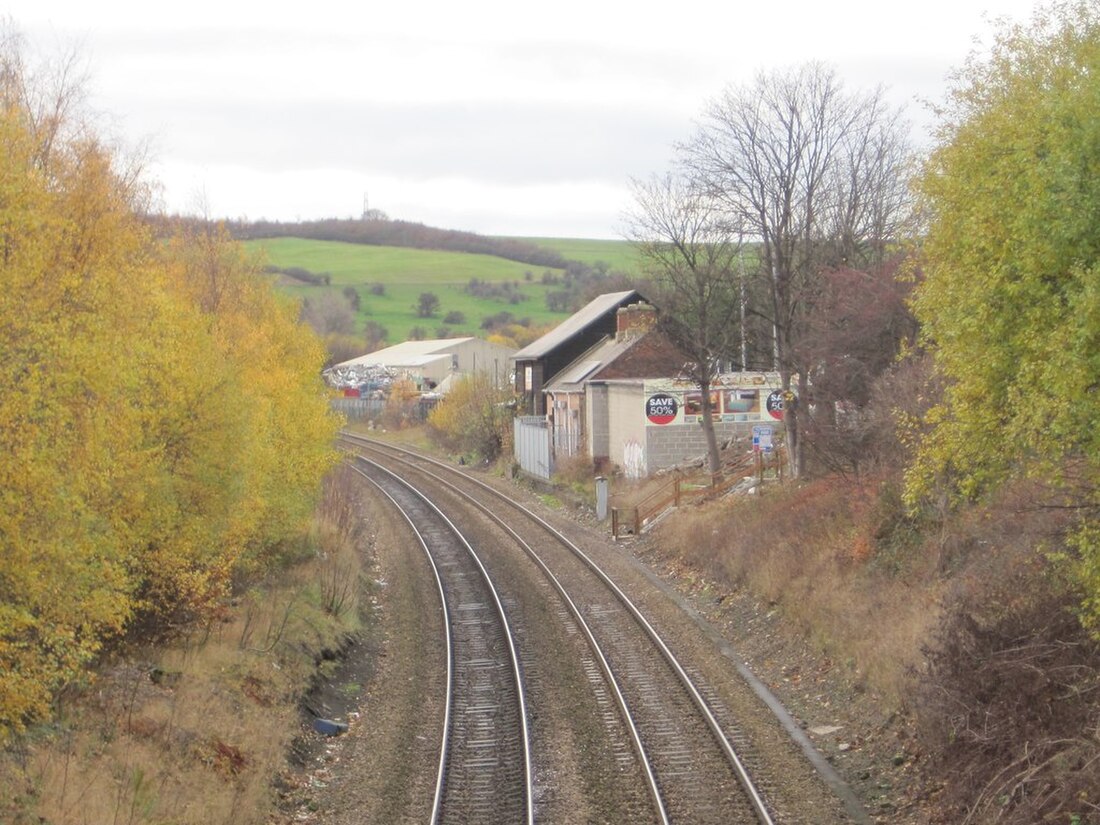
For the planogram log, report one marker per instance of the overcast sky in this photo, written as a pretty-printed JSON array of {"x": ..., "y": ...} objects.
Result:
[{"x": 497, "y": 117}]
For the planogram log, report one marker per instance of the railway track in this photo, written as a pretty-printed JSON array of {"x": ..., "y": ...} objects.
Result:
[
  {"x": 688, "y": 746},
  {"x": 484, "y": 770}
]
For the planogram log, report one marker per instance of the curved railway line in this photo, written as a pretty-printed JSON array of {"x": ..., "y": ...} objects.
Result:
[
  {"x": 485, "y": 764},
  {"x": 697, "y": 765}
]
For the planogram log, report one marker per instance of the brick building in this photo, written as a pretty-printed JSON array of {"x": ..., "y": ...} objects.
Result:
[
  {"x": 540, "y": 362},
  {"x": 597, "y": 403},
  {"x": 637, "y": 349}
]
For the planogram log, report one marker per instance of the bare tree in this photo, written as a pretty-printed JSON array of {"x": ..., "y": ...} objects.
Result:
[
  {"x": 691, "y": 254},
  {"x": 51, "y": 94},
  {"x": 813, "y": 174},
  {"x": 375, "y": 335},
  {"x": 328, "y": 314}
]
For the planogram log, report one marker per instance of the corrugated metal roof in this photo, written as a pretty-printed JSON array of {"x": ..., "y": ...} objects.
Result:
[
  {"x": 428, "y": 347},
  {"x": 408, "y": 353},
  {"x": 373, "y": 359},
  {"x": 588, "y": 314}
]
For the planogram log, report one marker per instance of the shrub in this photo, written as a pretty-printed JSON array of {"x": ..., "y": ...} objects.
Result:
[
  {"x": 472, "y": 419},
  {"x": 1007, "y": 709},
  {"x": 811, "y": 551},
  {"x": 352, "y": 295},
  {"x": 402, "y": 405},
  {"x": 427, "y": 305}
]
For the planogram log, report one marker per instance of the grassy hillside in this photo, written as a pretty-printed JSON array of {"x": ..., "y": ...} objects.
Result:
[
  {"x": 404, "y": 274},
  {"x": 360, "y": 264},
  {"x": 618, "y": 255}
]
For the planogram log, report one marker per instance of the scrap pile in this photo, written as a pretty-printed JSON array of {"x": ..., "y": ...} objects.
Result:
[{"x": 360, "y": 380}]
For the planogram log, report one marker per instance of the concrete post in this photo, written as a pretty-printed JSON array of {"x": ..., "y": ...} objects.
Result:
[{"x": 601, "y": 497}]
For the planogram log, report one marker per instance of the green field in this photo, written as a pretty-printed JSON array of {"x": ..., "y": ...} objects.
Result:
[
  {"x": 619, "y": 255},
  {"x": 405, "y": 274},
  {"x": 359, "y": 264}
]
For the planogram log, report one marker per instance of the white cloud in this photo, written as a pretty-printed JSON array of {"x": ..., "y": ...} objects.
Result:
[{"x": 488, "y": 115}]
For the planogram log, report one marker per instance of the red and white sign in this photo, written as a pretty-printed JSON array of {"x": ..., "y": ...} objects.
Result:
[
  {"x": 661, "y": 409},
  {"x": 774, "y": 405}
]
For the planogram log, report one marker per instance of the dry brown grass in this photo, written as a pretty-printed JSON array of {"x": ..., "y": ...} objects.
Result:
[
  {"x": 812, "y": 551},
  {"x": 574, "y": 470},
  {"x": 196, "y": 731},
  {"x": 198, "y": 750},
  {"x": 967, "y": 622}
]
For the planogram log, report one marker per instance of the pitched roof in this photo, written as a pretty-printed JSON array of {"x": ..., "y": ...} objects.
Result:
[
  {"x": 604, "y": 352},
  {"x": 408, "y": 353},
  {"x": 593, "y": 311}
]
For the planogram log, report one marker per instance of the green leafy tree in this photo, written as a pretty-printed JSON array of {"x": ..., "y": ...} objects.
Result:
[
  {"x": 428, "y": 305},
  {"x": 1010, "y": 303}
]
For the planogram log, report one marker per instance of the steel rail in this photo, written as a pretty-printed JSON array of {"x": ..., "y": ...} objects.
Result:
[
  {"x": 594, "y": 646},
  {"x": 754, "y": 796},
  {"x": 508, "y": 636},
  {"x": 437, "y": 801}
]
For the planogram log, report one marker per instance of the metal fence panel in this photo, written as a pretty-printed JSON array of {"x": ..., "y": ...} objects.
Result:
[
  {"x": 532, "y": 446},
  {"x": 358, "y": 409}
]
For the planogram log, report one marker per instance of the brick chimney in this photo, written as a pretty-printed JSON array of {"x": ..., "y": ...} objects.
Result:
[{"x": 634, "y": 320}]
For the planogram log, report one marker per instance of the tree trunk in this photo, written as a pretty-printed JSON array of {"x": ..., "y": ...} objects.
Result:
[
  {"x": 794, "y": 393},
  {"x": 714, "y": 458}
]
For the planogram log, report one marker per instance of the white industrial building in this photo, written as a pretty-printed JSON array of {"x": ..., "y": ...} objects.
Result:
[{"x": 432, "y": 364}]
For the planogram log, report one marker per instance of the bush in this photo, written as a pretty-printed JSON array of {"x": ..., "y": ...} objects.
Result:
[
  {"x": 427, "y": 305},
  {"x": 1008, "y": 709},
  {"x": 497, "y": 320},
  {"x": 352, "y": 295},
  {"x": 473, "y": 419},
  {"x": 340, "y": 348},
  {"x": 375, "y": 335}
]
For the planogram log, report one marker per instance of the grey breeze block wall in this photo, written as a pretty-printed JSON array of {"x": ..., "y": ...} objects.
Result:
[
  {"x": 674, "y": 443},
  {"x": 596, "y": 422}
]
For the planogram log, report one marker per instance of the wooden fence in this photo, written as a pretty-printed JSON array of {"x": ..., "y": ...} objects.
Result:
[{"x": 631, "y": 519}]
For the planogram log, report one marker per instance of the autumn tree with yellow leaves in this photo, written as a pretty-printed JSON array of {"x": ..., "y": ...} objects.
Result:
[
  {"x": 163, "y": 429},
  {"x": 474, "y": 418},
  {"x": 1010, "y": 302}
]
